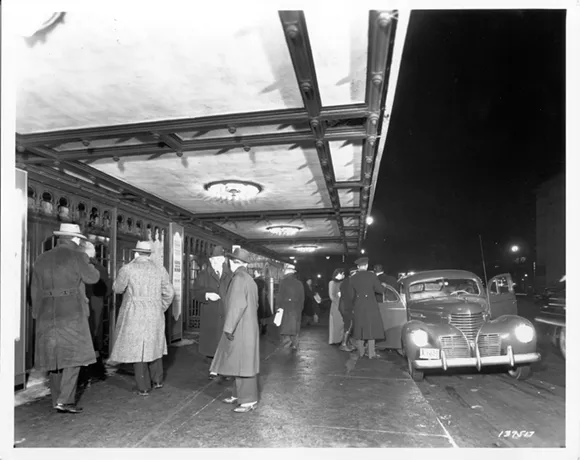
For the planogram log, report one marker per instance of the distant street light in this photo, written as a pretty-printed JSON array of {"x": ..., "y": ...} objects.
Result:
[
  {"x": 370, "y": 220},
  {"x": 319, "y": 275},
  {"x": 515, "y": 248},
  {"x": 327, "y": 257},
  {"x": 362, "y": 251}
]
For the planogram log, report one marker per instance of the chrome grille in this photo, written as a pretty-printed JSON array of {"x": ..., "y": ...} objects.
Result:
[
  {"x": 455, "y": 346},
  {"x": 489, "y": 345},
  {"x": 467, "y": 323}
]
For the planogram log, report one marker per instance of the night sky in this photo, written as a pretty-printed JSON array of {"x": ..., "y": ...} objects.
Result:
[{"x": 478, "y": 123}]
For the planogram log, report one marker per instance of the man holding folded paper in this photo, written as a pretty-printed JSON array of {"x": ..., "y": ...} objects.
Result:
[{"x": 290, "y": 303}]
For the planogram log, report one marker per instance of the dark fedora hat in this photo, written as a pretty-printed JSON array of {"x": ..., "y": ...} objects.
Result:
[
  {"x": 218, "y": 251},
  {"x": 240, "y": 254}
]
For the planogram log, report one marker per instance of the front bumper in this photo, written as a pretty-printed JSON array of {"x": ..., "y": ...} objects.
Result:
[{"x": 509, "y": 359}]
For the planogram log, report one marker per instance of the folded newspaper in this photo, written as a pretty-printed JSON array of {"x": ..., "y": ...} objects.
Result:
[{"x": 278, "y": 317}]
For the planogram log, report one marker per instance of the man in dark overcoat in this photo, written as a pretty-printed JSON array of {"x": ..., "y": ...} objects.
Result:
[
  {"x": 368, "y": 322},
  {"x": 264, "y": 311},
  {"x": 291, "y": 300},
  {"x": 345, "y": 307},
  {"x": 97, "y": 293},
  {"x": 310, "y": 311},
  {"x": 238, "y": 353},
  {"x": 61, "y": 310},
  {"x": 384, "y": 279},
  {"x": 210, "y": 288}
]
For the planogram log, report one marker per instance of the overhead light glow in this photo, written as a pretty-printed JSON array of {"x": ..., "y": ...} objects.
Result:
[
  {"x": 515, "y": 248},
  {"x": 327, "y": 257},
  {"x": 232, "y": 190},
  {"x": 362, "y": 251},
  {"x": 292, "y": 257},
  {"x": 306, "y": 248},
  {"x": 284, "y": 230},
  {"x": 370, "y": 220},
  {"x": 319, "y": 275}
]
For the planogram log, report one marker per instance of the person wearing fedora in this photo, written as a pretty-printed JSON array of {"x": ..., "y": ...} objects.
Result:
[
  {"x": 264, "y": 311},
  {"x": 60, "y": 307},
  {"x": 140, "y": 332},
  {"x": 291, "y": 301},
  {"x": 367, "y": 323},
  {"x": 238, "y": 352},
  {"x": 210, "y": 288}
]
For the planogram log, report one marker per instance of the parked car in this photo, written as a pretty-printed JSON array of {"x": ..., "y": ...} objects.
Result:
[
  {"x": 443, "y": 319},
  {"x": 553, "y": 313}
]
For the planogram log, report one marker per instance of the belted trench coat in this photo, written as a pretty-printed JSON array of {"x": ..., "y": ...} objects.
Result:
[
  {"x": 212, "y": 313},
  {"x": 240, "y": 357},
  {"x": 368, "y": 322},
  {"x": 291, "y": 299},
  {"x": 61, "y": 309},
  {"x": 147, "y": 294}
]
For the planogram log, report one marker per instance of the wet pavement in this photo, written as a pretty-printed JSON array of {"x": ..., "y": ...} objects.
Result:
[{"x": 316, "y": 397}]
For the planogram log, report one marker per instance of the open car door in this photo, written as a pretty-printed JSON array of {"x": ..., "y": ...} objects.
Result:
[
  {"x": 502, "y": 297},
  {"x": 394, "y": 315}
]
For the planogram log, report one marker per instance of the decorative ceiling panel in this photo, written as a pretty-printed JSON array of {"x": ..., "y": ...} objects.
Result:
[
  {"x": 101, "y": 143},
  {"x": 259, "y": 229},
  {"x": 322, "y": 248},
  {"x": 350, "y": 233},
  {"x": 243, "y": 131},
  {"x": 289, "y": 178},
  {"x": 349, "y": 198},
  {"x": 346, "y": 160},
  {"x": 339, "y": 41},
  {"x": 350, "y": 221},
  {"x": 106, "y": 67}
]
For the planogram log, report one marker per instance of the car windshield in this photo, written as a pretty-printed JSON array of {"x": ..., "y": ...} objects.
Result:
[{"x": 442, "y": 287}]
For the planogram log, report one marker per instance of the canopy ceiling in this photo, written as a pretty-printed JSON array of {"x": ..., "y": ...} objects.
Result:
[{"x": 295, "y": 103}]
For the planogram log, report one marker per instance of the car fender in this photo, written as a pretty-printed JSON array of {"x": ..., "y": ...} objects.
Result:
[{"x": 505, "y": 326}]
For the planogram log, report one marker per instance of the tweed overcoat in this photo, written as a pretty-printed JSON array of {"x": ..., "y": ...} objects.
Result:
[
  {"x": 346, "y": 305},
  {"x": 240, "y": 357},
  {"x": 264, "y": 310},
  {"x": 213, "y": 313},
  {"x": 291, "y": 299},
  {"x": 63, "y": 337},
  {"x": 147, "y": 294},
  {"x": 368, "y": 322}
]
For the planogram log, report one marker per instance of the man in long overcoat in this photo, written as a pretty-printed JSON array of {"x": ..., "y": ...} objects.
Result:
[
  {"x": 97, "y": 293},
  {"x": 210, "y": 288},
  {"x": 345, "y": 307},
  {"x": 290, "y": 299},
  {"x": 368, "y": 323},
  {"x": 140, "y": 332},
  {"x": 238, "y": 353},
  {"x": 264, "y": 311},
  {"x": 60, "y": 308}
]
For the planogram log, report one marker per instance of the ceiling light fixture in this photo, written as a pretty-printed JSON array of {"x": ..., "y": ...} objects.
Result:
[
  {"x": 233, "y": 190},
  {"x": 306, "y": 248},
  {"x": 284, "y": 230}
]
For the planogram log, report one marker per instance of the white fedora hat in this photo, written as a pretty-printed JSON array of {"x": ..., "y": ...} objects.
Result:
[
  {"x": 69, "y": 230},
  {"x": 143, "y": 246}
]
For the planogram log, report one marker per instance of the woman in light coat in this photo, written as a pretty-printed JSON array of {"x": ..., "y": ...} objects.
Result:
[
  {"x": 335, "y": 322},
  {"x": 140, "y": 332}
]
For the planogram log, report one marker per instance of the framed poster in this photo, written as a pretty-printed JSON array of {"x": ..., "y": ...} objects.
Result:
[{"x": 176, "y": 276}]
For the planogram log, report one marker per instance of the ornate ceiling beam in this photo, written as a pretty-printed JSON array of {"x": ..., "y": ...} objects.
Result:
[
  {"x": 271, "y": 117},
  {"x": 240, "y": 142},
  {"x": 348, "y": 185},
  {"x": 298, "y": 42},
  {"x": 382, "y": 25},
  {"x": 314, "y": 213}
]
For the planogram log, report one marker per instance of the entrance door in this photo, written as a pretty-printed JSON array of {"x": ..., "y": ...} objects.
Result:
[
  {"x": 502, "y": 297},
  {"x": 394, "y": 314}
]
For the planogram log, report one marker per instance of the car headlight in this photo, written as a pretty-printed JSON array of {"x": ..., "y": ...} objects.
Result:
[
  {"x": 524, "y": 333},
  {"x": 420, "y": 337}
]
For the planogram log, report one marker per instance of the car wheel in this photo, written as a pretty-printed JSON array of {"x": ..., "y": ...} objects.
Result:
[
  {"x": 562, "y": 342},
  {"x": 522, "y": 372},
  {"x": 416, "y": 375}
]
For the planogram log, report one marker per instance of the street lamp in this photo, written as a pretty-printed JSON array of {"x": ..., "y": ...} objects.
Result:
[
  {"x": 362, "y": 251},
  {"x": 515, "y": 248},
  {"x": 319, "y": 275}
]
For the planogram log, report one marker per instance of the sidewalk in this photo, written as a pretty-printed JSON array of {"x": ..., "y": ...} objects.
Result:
[{"x": 308, "y": 399}]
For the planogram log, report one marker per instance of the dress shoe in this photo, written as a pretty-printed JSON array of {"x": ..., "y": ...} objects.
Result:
[
  {"x": 212, "y": 376},
  {"x": 230, "y": 400},
  {"x": 157, "y": 386},
  {"x": 246, "y": 408},
  {"x": 142, "y": 393},
  {"x": 68, "y": 409}
]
